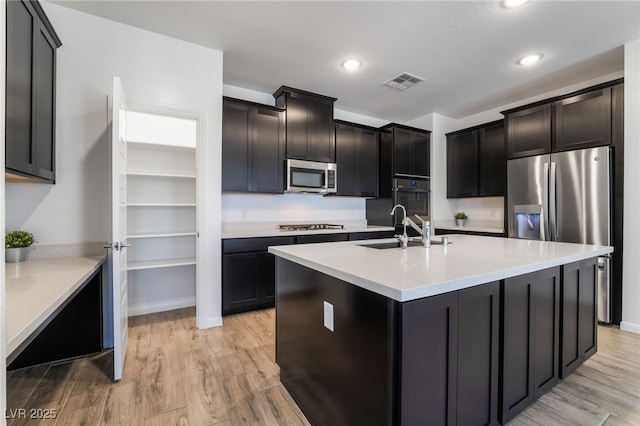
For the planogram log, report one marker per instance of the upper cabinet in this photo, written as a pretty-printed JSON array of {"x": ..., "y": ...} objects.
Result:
[
  {"x": 581, "y": 119},
  {"x": 253, "y": 147},
  {"x": 310, "y": 128},
  {"x": 357, "y": 159},
  {"x": 476, "y": 161},
  {"x": 30, "y": 93},
  {"x": 408, "y": 150}
]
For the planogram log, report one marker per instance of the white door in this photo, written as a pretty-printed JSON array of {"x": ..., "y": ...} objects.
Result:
[{"x": 118, "y": 252}]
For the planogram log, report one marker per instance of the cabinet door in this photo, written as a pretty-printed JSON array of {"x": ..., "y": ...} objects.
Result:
[
  {"x": 297, "y": 111},
  {"x": 493, "y": 162},
  {"x": 478, "y": 354},
  {"x": 462, "y": 164},
  {"x": 266, "y": 278},
  {"x": 530, "y": 339},
  {"x": 346, "y": 159},
  {"x": 367, "y": 163},
  {"x": 240, "y": 291},
  {"x": 21, "y": 29},
  {"x": 267, "y": 148},
  {"x": 420, "y": 155},
  {"x": 429, "y": 329},
  {"x": 583, "y": 121},
  {"x": 529, "y": 131},
  {"x": 579, "y": 316},
  {"x": 401, "y": 151},
  {"x": 45, "y": 77},
  {"x": 321, "y": 132},
  {"x": 236, "y": 147}
]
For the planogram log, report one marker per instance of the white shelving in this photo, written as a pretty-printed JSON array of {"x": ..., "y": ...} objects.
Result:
[{"x": 161, "y": 222}]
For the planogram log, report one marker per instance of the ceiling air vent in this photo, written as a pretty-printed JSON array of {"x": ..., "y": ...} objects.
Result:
[{"x": 403, "y": 81}]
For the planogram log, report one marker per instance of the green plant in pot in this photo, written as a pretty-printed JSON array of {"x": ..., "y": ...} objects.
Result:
[
  {"x": 460, "y": 218},
  {"x": 16, "y": 244}
]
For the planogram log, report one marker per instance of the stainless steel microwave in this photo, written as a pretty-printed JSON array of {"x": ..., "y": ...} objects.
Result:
[{"x": 311, "y": 177}]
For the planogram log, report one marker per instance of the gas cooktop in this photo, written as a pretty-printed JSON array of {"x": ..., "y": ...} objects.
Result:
[{"x": 309, "y": 227}]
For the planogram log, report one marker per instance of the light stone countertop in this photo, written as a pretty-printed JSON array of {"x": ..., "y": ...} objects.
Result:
[
  {"x": 417, "y": 272},
  {"x": 471, "y": 225},
  {"x": 37, "y": 287},
  {"x": 273, "y": 230}
]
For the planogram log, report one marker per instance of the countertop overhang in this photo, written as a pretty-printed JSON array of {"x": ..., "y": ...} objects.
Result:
[
  {"x": 38, "y": 287},
  {"x": 416, "y": 272}
]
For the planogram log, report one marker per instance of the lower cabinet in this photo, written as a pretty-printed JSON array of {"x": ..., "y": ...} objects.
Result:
[
  {"x": 531, "y": 319},
  {"x": 459, "y": 330},
  {"x": 248, "y": 273},
  {"x": 579, "y": 320}
]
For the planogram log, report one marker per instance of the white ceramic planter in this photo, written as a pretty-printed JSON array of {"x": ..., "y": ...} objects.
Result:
[
  {"x": 15, "y": 255},
  {"x": 461, "y": 222}
]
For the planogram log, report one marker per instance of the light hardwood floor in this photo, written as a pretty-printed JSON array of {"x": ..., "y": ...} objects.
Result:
[{"x": 178, "y": 375}]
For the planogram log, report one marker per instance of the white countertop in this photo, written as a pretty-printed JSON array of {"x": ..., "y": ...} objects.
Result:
[
  {"x": 471, "y": 225},
  {"x": 417, "y": 272},
  {"x": 37, "y": 287},
  {"x": 274, "y": 231}
]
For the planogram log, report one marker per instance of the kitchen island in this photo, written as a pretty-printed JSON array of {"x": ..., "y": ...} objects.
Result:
[{"x": 467, "y": 333}]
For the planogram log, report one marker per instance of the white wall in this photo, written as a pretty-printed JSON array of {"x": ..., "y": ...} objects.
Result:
[
  {"x": 156, "y": 71},
  {"x": 631, "y": 236},
  {"x": 293, "y": 207},
  {"x": 3, "y": 309}
]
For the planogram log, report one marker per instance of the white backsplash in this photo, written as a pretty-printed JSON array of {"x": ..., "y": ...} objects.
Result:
[
  {"x": 484, "y": 208},
  {"x": 283, "y": 208}
]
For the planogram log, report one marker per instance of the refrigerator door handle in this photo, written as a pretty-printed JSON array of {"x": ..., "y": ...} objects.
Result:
[
  {"x": 553, "y": 213},
  {"x": 544, "y": 224}
]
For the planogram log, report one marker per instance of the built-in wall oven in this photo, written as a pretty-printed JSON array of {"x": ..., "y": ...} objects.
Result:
[{"x": 414, "y": 194}]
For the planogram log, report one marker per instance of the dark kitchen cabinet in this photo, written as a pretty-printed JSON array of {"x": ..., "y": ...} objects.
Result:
[
  {"x": 579, "y": 319},
  {"x": 248, "y": 273},
  {"x": 583, "y": 121},
  {"x": 408, "y": 149},
  {"x": 321, "y": 238},
  {"x": 253, "y": 147},
  {"x": 476, "y": 161},
  {"x": 459, "y": 330},
  {"x": 530, "y": 321},
  {"x": 357, "y": 159},
  {"x": 310, "y": 131},
  {"x": 528, "y": 131},
  {"x": 30, "y": 93}
]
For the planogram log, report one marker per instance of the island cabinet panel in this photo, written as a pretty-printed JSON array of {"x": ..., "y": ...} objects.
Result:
[
  {"x": 530, "y": 346},
  {"x": 339, "y": 377},
  {"x": 579, "y": 314}
]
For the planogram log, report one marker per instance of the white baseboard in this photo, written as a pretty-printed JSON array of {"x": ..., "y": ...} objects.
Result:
[
  {"x": 165, "y": 305},
  {"x": 630, "y": 327}
]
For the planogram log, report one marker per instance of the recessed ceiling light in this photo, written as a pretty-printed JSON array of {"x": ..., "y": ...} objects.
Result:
[
  {"x": 530, "y": 59},
  {"x": 351, "y": 64},
  {"x": 514, "y": 3}
]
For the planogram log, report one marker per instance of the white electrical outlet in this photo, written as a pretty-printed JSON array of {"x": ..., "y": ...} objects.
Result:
[
  {"x": 328, "y": 315},
  {"x": 243, "y": 214}
]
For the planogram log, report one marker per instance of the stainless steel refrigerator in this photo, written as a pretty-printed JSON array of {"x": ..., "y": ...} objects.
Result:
[{"x": 564, "y": 197}]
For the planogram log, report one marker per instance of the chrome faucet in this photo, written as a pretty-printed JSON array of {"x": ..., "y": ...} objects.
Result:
[
  {"x": 404, "y": 238},
  {"x": 425, "y": 231}
]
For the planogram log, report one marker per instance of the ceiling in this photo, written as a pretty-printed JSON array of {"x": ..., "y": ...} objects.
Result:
[{"x": 466, "y": 51}]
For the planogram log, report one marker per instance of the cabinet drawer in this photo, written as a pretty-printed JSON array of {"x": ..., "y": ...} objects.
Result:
[
  {"x": 245, "y": 245},
  {"x": 370, "y": 235},
  {"x": 321, "y": 238}
]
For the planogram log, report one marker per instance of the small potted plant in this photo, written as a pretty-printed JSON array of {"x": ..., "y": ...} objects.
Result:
[
  {"x": 16, "y": 244},
  {"x": 460, "y": 218}
]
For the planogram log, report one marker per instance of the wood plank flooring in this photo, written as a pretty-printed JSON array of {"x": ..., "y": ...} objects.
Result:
[{"x": 176, "y": 374}]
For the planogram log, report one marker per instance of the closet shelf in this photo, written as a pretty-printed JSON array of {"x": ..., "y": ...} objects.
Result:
[
  {"x": 164, "y": 263},
  {"x": 161, "y": 235}
]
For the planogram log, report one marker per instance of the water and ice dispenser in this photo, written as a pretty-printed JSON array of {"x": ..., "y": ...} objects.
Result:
[{"x": 529, "y": 222}]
